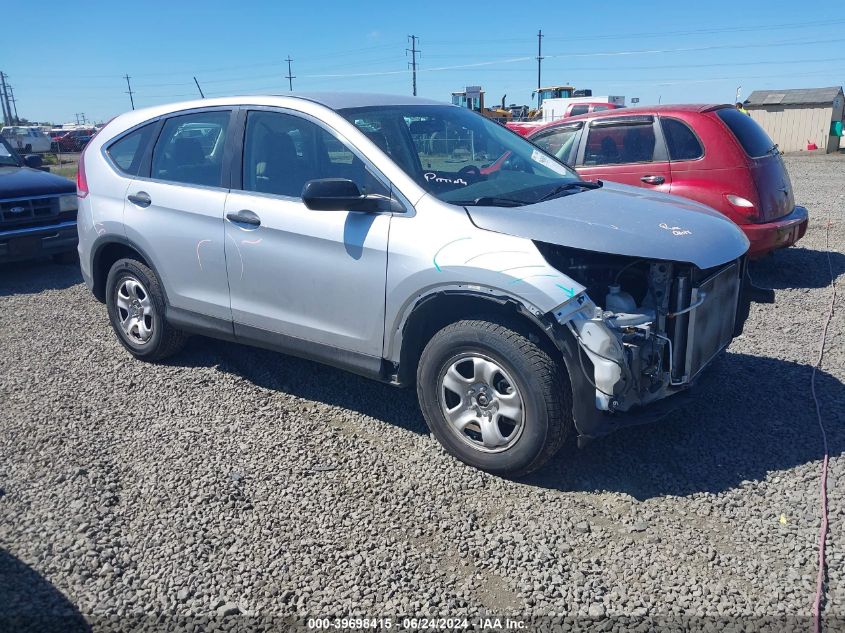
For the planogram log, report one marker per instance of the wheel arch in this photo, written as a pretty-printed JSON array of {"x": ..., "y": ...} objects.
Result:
[
  {"x": 441, "y": 307},
  {"x": 106, "y": 252}
]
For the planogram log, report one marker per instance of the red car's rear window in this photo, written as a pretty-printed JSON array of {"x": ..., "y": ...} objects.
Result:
[{"x": 750, "y": 135}]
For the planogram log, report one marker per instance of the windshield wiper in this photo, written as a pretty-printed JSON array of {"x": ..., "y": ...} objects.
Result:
[
  {"x": 569, "y": 186},
  {"x": 490, "y": 201}
]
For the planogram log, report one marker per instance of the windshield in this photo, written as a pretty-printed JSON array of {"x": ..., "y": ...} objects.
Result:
[
  {"x": 461, "y": 157},
  {"x": 7, "y": 155}
]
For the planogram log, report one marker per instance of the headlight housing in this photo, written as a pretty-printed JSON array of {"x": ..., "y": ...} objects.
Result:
[{"x": 68, "y": 202}]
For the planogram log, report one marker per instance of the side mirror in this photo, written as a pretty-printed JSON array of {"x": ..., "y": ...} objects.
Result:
[
  {"x": 33, "y": 160},
  {"x": 341, "y": 194}
]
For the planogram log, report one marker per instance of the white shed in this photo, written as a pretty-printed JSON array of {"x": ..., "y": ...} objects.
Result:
[{"x": 798, "y": 118}]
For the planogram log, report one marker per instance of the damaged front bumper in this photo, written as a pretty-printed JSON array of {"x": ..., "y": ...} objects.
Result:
[{"x": 632, "y": 369}]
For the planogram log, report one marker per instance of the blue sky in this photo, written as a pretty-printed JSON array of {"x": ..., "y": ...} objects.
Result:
[{"x": 672, "y": 52}]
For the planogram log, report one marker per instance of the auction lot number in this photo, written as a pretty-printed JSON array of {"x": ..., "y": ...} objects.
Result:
[{"x": 409, "y": 624}]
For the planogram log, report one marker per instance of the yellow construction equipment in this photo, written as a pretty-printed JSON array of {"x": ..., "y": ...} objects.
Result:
[{"x": 473, "y": 98}]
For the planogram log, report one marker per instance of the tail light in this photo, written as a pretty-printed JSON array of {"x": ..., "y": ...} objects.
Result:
[
  {"x": 81, "y": 180},
  {"x": 744, "y": 207}
]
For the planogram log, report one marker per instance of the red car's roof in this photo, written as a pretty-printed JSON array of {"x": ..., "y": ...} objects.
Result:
[{"x": 617, "y": 112}]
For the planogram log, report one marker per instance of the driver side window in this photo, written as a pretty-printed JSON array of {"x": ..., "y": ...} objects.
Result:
[{"x": 283, "y": 151}]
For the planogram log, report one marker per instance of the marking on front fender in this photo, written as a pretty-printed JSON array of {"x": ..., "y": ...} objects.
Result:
[
  {"x": 434, "y": 259},
  {"x": 568, "y": 291}
]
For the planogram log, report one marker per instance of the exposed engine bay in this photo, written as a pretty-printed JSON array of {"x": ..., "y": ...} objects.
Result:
[{"x": 646, "y": 327}]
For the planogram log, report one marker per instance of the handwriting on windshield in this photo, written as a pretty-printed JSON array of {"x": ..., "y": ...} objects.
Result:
[{"x": 430, "y": 175}]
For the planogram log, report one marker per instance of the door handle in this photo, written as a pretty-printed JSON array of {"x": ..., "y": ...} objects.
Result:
[
  {"x": 653, "y": 180},
  {"x": 244, "y": 216},
  {"x": 142, "y": 199}
]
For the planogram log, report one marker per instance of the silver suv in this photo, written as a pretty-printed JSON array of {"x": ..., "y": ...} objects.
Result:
[{"x": 415, "y": 243}]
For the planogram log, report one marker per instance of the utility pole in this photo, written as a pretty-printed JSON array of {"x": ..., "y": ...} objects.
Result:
[
  {"x": 539, "y": 63},
  {"x": 290, "y": 76},
  {"x": 4, "y": 100},
  {"x": 198, "y": 87},
  {"x": 14, "y": 104},
  {"x": 414, "y": 52},
  {"x": 129, "y": 92}
]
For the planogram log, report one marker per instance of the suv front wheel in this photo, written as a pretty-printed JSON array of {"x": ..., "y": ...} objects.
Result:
[
  {"x": 136, "y": 305},
  {"x": 493, "y": 398}
]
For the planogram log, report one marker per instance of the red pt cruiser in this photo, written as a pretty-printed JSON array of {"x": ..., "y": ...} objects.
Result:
[{"x": 713, "y": 154}]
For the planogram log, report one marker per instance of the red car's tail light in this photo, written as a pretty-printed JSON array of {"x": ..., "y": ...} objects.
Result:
[
  {"x": 744, "y": 206},
  {"x": 81, "y": 180}
]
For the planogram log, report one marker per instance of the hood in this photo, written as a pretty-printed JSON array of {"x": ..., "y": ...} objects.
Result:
[
  {"x": 622, "y": 220},
  {"x": 19, "y": 182}
]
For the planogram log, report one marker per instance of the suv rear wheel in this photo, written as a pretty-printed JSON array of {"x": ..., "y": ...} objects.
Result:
[
  {"x": 136, "y": 305},
  {"x": 494, "y": 399}
]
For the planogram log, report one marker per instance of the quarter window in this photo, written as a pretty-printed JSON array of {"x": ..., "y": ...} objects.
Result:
[
  {"x": 282, "y": 152},
  {"x": 127, "y": 153},
  {"x": 560, "y": 142},
  {"x": 620, "y": 143},
  {"x": 190, "y": 149},
  {"x": 681, "y": 140}
]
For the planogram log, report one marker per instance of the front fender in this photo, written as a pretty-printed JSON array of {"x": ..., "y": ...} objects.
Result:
[{"x": 486, "y": 265}]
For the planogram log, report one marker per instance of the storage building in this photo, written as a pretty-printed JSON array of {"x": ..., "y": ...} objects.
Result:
[{"x": 798, "y": 119}]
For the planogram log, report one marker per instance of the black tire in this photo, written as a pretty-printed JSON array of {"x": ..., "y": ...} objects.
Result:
[
  {"x": 543, "y": 384},
  {"x": 165, "y": 340}
]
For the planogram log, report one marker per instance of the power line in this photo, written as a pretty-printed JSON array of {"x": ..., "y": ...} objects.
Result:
[
  {"x": 128, "y": 85},
  {"x": 707, "y": 31},
  {"x": 414, "y": 52},
  {"x": 290, "y": 76},
  {"x": 597, "y": 54},
  {"x": 464, "y": 41},
  {"x": 493, "y": 66}
]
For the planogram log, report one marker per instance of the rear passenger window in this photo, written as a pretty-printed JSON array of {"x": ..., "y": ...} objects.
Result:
[
  {"x": 190, "y": 149},
  {"x": 128, "y": 152},
  {"x": 282, "y": 152},
  {"x": 681, "y": 140},
  {"x": 579, "y": 109},
  {"x": 620, "y": 142}
]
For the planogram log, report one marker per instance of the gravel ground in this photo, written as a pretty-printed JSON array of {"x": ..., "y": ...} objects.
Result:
[{"x": 237, "y": 480}]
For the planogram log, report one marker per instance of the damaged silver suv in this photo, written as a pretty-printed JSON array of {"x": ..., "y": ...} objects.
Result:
[{"x": 414, "y": 243}]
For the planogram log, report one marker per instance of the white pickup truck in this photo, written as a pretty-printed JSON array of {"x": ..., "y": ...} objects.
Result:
[{"x": 26, "y": 139}]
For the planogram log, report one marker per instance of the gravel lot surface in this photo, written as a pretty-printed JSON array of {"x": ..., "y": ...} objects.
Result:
[{"x": 237, "y": 480}]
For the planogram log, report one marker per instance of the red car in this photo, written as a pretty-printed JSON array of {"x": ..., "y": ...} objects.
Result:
[
  {"x": 713, "y": 154},
  {"x": 72, "y": 140}
]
